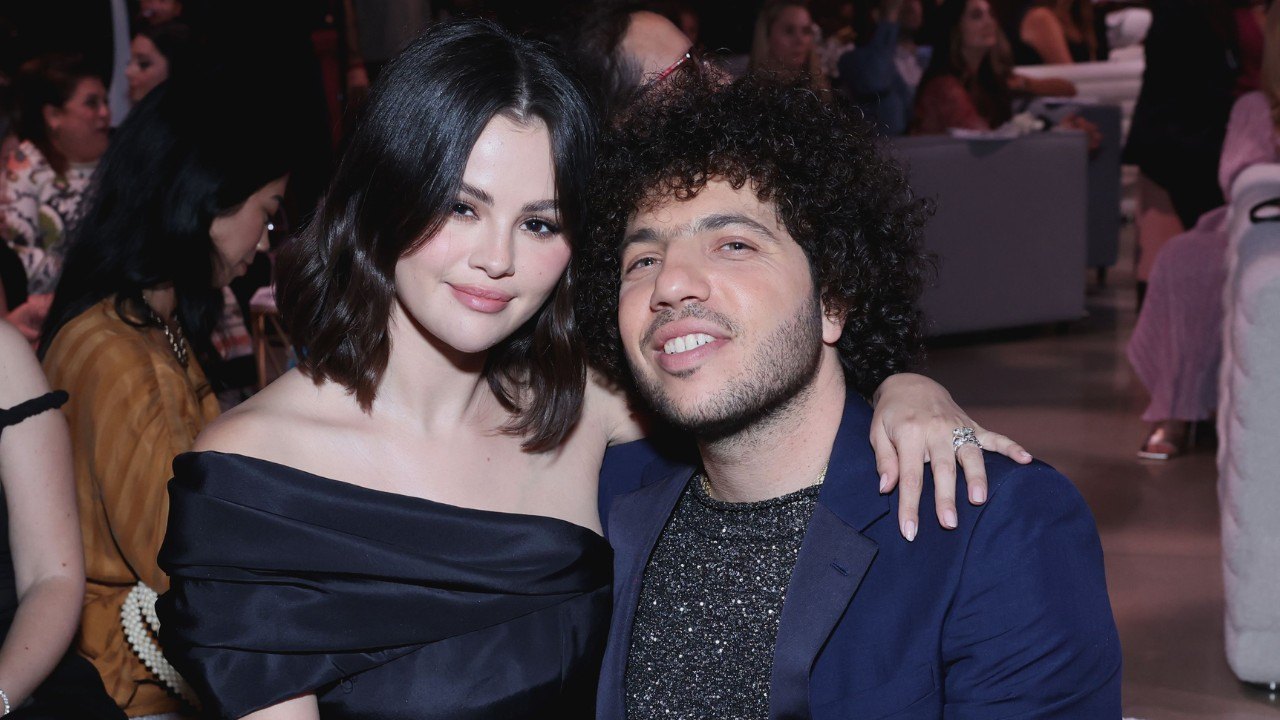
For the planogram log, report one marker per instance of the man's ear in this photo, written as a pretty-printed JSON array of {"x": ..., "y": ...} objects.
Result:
[{"x": 832, "y": 323}]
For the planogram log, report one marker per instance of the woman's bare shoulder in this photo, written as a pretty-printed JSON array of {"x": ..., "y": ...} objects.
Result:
[
  {"x": 608, "y": 406},
  {"x": 268, "y": 424}
]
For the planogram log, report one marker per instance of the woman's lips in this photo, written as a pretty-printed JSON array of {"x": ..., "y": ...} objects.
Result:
[{"x": 480, "y": 299}]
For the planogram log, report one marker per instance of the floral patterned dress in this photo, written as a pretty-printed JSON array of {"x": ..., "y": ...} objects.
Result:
[{"x": 37, "y": 207}]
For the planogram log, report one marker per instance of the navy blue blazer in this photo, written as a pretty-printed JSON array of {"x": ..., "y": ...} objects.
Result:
[{"x": 1005, "y": 617}]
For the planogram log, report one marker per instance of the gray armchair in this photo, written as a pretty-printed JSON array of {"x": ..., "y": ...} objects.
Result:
[
  {"x": 1249, "y": 427},
  {"x": 1011, "y": 228}
]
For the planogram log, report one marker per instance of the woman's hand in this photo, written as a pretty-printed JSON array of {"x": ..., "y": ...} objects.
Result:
[
  {"x": 1091, "y": 131},
  {"x": 912, "y": 425},
  {"x": 30, "y": 315}
]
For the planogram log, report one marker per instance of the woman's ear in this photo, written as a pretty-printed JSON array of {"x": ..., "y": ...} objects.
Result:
[{"x": 52, "y": 116}]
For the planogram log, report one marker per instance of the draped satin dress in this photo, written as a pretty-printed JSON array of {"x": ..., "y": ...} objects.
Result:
[{"x": 383, "y": 605}]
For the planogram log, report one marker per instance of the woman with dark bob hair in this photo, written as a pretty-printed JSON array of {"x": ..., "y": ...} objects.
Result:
[
  {"x": 422, "y": 537},
  {"x": 180, "y": 204}
]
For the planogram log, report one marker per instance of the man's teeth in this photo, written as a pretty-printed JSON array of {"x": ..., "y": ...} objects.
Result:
[{"x": 686, "y": 343}]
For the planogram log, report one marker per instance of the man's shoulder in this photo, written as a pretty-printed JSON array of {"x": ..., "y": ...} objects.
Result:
[
  {"x": 630, "y": 467},
  {"x": 1035, "y": 488}
]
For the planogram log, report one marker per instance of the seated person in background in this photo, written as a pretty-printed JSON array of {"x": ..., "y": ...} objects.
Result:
[
  {"x": 185, "y": 197},
  {"x": 62, "y": 120},
  {"x": 970, "y": 83},
  {"x": 881, "y": 74},
  {"x": 1176, "y": 346},
  {"x": 158, "y": 53},
  {"x": 753, "y": 283},
  {"x": 785, "y": 44},
  {"x": 42, "y": 573},
  {"x": 1053, "y": 32}
]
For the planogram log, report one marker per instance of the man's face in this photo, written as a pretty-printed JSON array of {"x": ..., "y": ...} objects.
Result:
[{"x": 717, "y": 311}]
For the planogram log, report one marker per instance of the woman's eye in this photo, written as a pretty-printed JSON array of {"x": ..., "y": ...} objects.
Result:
[
  {"x": 463, "y": 209},
  {"x": 541, "y": 227}
]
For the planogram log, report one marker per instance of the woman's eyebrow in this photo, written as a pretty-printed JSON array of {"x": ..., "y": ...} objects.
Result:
[
  {"x": 477, "y": 193},
  {"x": 541, "y": 206}
]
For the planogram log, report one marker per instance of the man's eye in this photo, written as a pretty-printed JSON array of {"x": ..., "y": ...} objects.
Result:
[
  {"x": 736, "y": 245},
  {"x": 641, "y": 263}
]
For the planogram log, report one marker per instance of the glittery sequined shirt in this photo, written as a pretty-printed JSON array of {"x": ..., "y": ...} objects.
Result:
[{"x": 704, "y": 633}]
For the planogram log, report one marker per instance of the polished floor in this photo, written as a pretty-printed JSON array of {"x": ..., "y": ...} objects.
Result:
[{"x": 1071, "y": 398}]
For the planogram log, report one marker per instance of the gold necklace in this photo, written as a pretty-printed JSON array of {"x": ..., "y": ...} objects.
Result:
[
  {"x": 706, "y": 482},
  {"x": 177, "y": 341}
]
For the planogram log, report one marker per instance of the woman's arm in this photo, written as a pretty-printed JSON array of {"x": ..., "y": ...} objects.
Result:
[
  {"x": 943, "y": 104},
  {"x": 912, "y": 425},
  {"x": 1041, "y": 30},
  {"x": 1042, "y": 87},
  {"x": 303, "y": 707},
  {"x": 44, "y": 532}
]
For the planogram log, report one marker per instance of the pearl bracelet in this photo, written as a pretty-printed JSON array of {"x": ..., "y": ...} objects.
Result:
[{"x": 5, "y": 697}]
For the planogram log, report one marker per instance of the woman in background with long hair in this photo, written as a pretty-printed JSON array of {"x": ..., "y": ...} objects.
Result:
[
  {"x": 785, "y": 43},
  {"x": 180, "y": 205}
]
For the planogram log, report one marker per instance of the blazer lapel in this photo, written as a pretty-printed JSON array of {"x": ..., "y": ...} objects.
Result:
[
  {"x": 637, "y": 519},
  {"x": 833, "y": 559},
  {"x": 832, "y": 562}
]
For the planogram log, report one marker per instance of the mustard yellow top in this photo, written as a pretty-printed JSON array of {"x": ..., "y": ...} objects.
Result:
[{"x": 133, "y": 407}]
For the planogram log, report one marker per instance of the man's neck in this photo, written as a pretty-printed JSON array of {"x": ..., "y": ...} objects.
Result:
[{"x": 785, "y": 452}]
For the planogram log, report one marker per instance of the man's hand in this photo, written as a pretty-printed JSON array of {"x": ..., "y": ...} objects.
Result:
[{"x": 913, "y": 423}]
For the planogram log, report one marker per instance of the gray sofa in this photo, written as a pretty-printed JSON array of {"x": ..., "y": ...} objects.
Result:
[
  {"x": 1249, "y": 428},
  {"x": 1011, "y": 228}
]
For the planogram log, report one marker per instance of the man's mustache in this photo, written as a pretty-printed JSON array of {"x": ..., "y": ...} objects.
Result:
[{"x": 695, "y": 311}]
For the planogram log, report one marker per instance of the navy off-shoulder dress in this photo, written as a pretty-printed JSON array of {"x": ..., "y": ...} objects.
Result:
[{"x": 385, "y": 606}]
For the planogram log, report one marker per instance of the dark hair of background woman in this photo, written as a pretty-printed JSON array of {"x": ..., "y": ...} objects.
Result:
[
  {"x": 396, "y": 183},
  {"x": 46, "y": 80},
  {"x": 989, "y": 87},
  {"x": 185, "y": 155},
  {"x": 594, "y": 41},
  {"x": 176, "y": 43}
]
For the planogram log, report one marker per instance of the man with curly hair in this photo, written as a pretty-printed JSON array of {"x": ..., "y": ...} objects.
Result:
[{"x": 753, "y": 273}]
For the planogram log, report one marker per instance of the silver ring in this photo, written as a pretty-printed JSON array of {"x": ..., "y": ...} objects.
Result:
[{"x": 962, "y": 436}]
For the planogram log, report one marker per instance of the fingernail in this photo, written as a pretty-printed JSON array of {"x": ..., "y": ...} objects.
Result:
[
  {"x": 949, "y": 518},
  {"x": 911, "y": 531},
  {"x": 1026, "y": 455},
  {"x": 978, "y": 495},
  {"x": 884, "y": 482}
]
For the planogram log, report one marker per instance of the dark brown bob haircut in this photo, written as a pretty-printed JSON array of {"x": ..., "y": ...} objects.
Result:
[
  {"x": 843, "y": 200},
  {"x": 391, "y": 193}
]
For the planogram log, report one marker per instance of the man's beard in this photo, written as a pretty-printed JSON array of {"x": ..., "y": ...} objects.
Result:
[{"x": 781, "y": 369}]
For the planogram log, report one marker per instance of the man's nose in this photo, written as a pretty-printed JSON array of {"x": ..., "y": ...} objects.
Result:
[{"x": 681, "y": 279}]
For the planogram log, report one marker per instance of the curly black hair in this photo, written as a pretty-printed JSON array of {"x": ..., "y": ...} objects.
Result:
[{"x": 841, "y": 197}]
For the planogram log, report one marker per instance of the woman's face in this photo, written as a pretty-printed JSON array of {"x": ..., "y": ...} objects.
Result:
[
  {"x": 147, "y": 68},
  {"x": 500, "y": 251},
  {"x": 78, "y": 129},
  {"x": 791, "y": 38},
  {"x": 977, "y": 27},
  {"x": 239, "y": 235}
]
